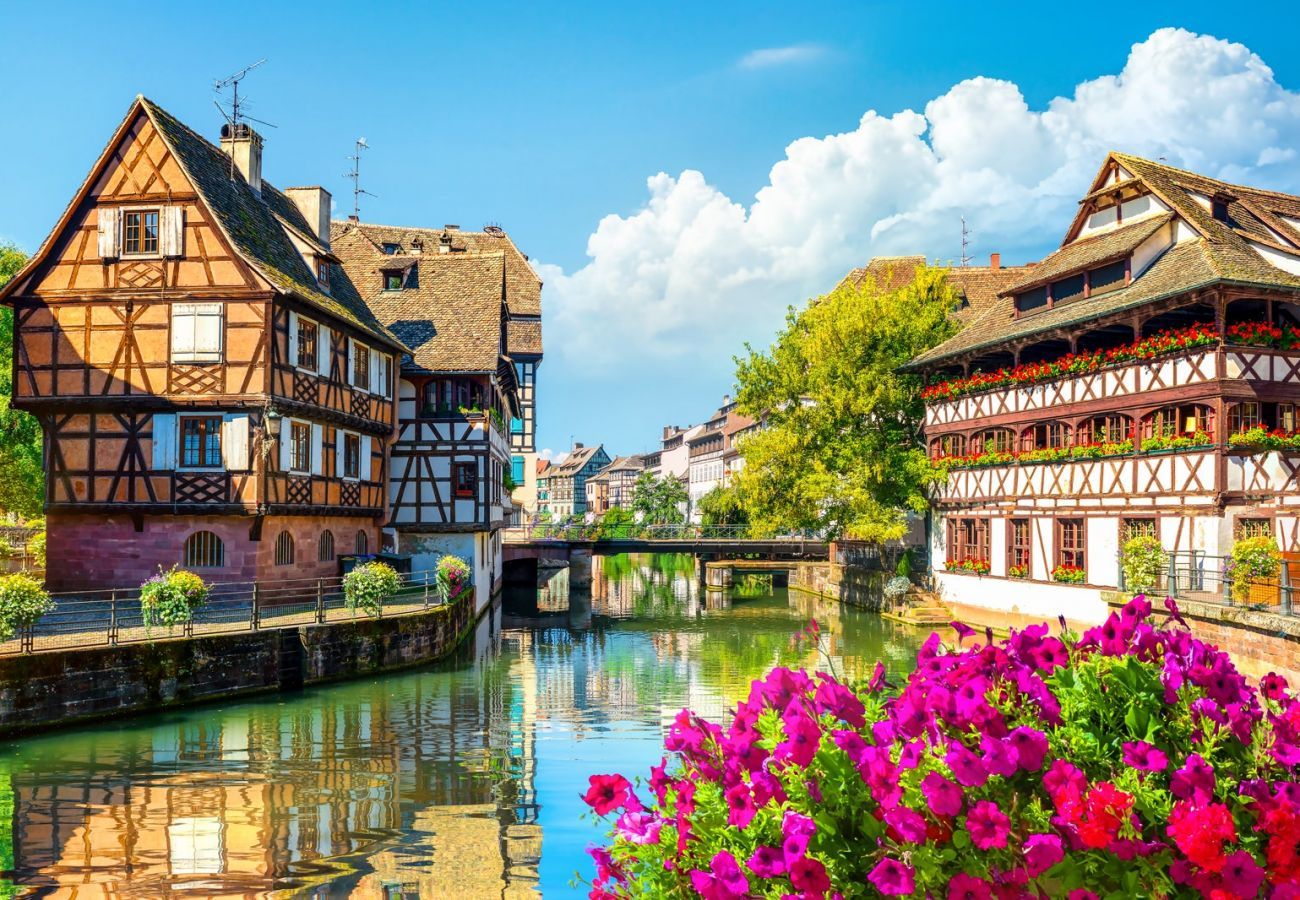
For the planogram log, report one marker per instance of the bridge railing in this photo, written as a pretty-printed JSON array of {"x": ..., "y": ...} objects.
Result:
[{"x": 636, "y": 532}]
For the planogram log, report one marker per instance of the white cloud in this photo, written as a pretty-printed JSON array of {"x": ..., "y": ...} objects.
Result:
[
  {"x": 769, "y": 57},
  {"x": 553, "y": 457},
  {"x": 673, "y": 289}
]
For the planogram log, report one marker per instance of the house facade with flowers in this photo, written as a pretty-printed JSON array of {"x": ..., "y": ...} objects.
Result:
[{"x": 1142, "y": 380}]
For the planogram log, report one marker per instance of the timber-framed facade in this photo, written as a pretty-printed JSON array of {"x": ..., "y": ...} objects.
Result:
[{"x": 207, "y": 399}]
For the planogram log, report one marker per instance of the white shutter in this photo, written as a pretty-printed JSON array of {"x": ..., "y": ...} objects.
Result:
[
  {"x": 340, "y": 447},
  {"x": 164, "y": 441},
  {"x": 317, "y": 443},
  {"x": 183, "y": 318},
  {"x": 286, "y": 442},
  {"x": 364, "y": 468},
  {"x": 374, "y": 373},
  {"x": 323, "y": 351},
  {"x": 171, "y": 236},
  {"x": 207, "y": 332},
  {"x": 352, "y": 353},
  {"x": 234, "y": 442},
  {"x": 110, "y": 225},
  {"x": 293, "y": 340}
]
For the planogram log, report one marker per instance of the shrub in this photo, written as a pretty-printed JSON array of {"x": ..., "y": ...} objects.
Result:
[
  {"x": 1253, "y": 559},
  {"x": 453, "y": 576},
  {"x": 1143, "y": 559},
  {"x": 23, "y": 600},
  {"x": 170, "y": 598},
  {"x": 369, "y": 586},
  {"x": 7, "y": 549},
  {"x": 36, "y": 548},
  {"x": 896, "y": 588},
  {"x": 1133, "y": 761}
]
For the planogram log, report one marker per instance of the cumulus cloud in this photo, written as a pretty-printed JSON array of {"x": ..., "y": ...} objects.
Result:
[{"x": 769, "y": 57}]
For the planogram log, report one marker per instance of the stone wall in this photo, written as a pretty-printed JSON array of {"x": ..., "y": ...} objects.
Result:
[
  {"x": 44, "y": 690},
  {"x": 854, "y": 585}
]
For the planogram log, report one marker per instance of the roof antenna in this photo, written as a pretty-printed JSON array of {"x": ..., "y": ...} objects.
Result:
[
  {"x": 965, "y": 243},
  {"x": 355, "y": 175},
  {"x": 232, "y": 118}
]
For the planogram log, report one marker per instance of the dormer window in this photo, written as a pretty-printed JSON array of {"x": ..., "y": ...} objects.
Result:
[
  {"x": 390, "y": 249},
  {"x": 393, "y": 281},
  {"x": 1219, "y": 207},
  {"x": 323, "y": 273}
]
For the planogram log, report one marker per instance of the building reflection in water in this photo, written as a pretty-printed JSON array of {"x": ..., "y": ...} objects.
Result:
[{"x": 420, "y": 784}]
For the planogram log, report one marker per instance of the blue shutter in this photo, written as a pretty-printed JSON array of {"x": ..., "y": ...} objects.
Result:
[{"x": 517, "y": 469}]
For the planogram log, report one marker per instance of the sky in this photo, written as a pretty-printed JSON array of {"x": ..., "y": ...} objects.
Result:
[{"x": 680, "y": 174}]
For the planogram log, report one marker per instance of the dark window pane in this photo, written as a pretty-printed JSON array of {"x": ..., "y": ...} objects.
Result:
[
  {"x": 1067, "y": 289},
  {"x": 1031, "y": 300}
]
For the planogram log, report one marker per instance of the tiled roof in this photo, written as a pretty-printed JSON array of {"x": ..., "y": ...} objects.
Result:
[
  {"x": 574, "y": 462},
  {"x": 978, "y": 286},
  {"x": 452, "y": 319},
  {"x": 1220, "y": 254},
  {"x": 523, "y": 336},
  {"x": 253, "y": 223}
]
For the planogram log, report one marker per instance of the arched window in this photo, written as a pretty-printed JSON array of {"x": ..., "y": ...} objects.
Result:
[
  {"x": 203, "y": 550},
  {"x": 363, "y": 543},
  {"x": 948, "y": 445},
  {"x": 325, "y": 547},
  {"x": 1045, "y": 436},
  {"x": 1178, "y": 421},
  {"x": 993, "y": 440},
  {"x": 1104, "y": 429},
  {"x": 284, "y": 549}
]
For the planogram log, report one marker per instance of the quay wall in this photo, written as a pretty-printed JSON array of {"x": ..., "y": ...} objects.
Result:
[
  {"x": 853, "y": 585},
  {"x": 49, "y": 689}
]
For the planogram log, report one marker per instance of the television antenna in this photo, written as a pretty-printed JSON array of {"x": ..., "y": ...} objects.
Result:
[
  {"x": 236, "y": 112},
  {"x": 355, "y": 175},
  {"x": 965, "y": 243}
]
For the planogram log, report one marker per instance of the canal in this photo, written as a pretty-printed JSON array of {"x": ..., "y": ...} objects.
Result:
[{"x": 460, "y": 780}]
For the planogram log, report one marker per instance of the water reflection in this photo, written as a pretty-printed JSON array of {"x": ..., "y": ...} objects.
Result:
[{"x": 455, "y": 781}]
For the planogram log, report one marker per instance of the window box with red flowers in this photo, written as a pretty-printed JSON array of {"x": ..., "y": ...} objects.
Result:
[
  {"x": 972, "y": 565},
  {"x": 1069, "y": 575},
  {"x": 1017, "y": 571}
]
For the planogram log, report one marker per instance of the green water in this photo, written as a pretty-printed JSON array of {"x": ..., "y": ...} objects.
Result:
[{"x": 460, "y": 780}]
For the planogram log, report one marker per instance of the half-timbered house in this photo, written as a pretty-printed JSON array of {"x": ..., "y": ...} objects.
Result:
[
  {"x": 1143, "y": 379},
  {"x": 207, "y": 398},
  {"x": 465, "y": 303},
  {"x": 567, "y": 480}
]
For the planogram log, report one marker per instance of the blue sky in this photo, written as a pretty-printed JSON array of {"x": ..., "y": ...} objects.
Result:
[{"x": 556, "y": 120}]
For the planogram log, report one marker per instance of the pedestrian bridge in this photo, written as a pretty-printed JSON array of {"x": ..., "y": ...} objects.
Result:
[{"x": 557, "y": 541}]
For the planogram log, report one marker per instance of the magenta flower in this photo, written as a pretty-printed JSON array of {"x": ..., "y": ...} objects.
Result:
[
  {"x": 740, "y": 805},
  {"x": 966, "y": 767},
  {"x": 967, "y": 887},
  {"x": 907, "y": 823},
  {"x": 1273, "y": 687},
  {"x": 639, "y": 827},
  {"x": 608, "y": 792},
  {"x": 1030, "y": 745},
  {"x": 892, "y": 878},
  {"x": 1042, "y": 851},
  {"x": 809, "y": 876},
  {"x": 797, "y": 830},
  {"x": 836, "y": 699},
  {"x": 767, "y": 862},
  {"x": 1242, "y": 875},
  {"x": 1145, "y": 757},
  {"x": 1000, "y": 757},
  {"x": 988, "y": 825},
  {"x": 944, "y": 797},
  {"x": 723, "y": 881},
  {"x": 803, "y": 736},
  {"x": 1195, "y": 780}
]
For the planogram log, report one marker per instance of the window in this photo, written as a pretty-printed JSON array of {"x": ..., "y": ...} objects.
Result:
[
  {"x": 351, "y": 456},
  {"x": 1108, "y": 278},
  {"x": 1219, "y": 208},
  {"x": 948, "y": 445},
  {"x": 516, "y": 425},
  {"x": 1103, "y": 429},
  {"x": 203, "y": 550},
  {"x": 968, "y": 539},
  {"x": 392, "y": 281},
  {"x": 139, "y": 232},
  {"x": 993, "y": 440},
  {"x": 1135, "y": 528},
  {"x": 360, "y": 366},
  {"x": 463, "y": 476},
  {"x": 1067, "y": 289},
  {"x": 284, "y": 549},
  {"x": 299, "y": 447},
  {"x": 517, "y": 469},
  {"x": 384, "y": 365},
  {"x": 1046, "y": 436},
  {"x": 363, "y": 543},
  {"x": 323, "y": 273},
  {"x": 1174, "y": 421},
  {"x": 196, "y": 332},
  {"x": 201, "y": 442},
  {"x": 308, "y": 334},
  {"x": 325, "y": 547},
  {"x": 1070, "y": 550},
  {"x": 1244, "y": 416},
  {"x": 1249, "y": 528},
  {"x": 1032, "y": 300},
  {"x": 1284, "y": 417},
  {"x": 1018, "y": 546},
  {"x": 390, "y": 249}
]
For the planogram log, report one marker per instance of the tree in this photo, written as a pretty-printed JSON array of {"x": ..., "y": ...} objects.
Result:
[
  {"x": 660, "y": 501},
  {"x": 22, "y": 477},
  {"x": 840, "y": 450},
  {"x": 722, "y": 506}
]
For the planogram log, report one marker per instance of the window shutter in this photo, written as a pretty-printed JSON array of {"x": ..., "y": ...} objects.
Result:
[
  {"x": 374, "y": 373},
  {"x": 286, "y": 440},
  {"x": 171, "y": 237},
  {"x": 234, "y": 442},
  {"x": 317, "y": 442},
  {"x": 352, "y": 354},
  {"x": 164, "y": 441},
  {"x": 207, "y": 332},
  {"x": 183, "y": 317},
  {"x": 364, "y": 468},
  {"x": 293, "y": 339},
  {"x": 110, "y": 230},
  {"x": 323, "y": 350},
  {"x": 339, "y": 450}
]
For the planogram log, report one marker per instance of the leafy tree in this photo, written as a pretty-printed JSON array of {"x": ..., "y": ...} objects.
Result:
[
  {"x": 616, "y": 522},
  {"x": 722, "y": 506},
  {"x": 660, "y": 501},
  {"x": 22, "y": 478},
  {"x": 840, "y": 451}
]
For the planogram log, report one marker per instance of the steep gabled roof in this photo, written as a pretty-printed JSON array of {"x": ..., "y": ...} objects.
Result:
[
  {"x": 978, "y": 286},
  {"x": 574, "y": 462},
  {"x": 1089, "y": 252}
]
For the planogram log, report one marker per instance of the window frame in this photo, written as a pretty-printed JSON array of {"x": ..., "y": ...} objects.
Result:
[
  {"x": 1250, "y": 526},
  {"x": 295, "y": 446},
  {"x": 196, "y": 311},
  {"x": 1066, "y": 556},
  {"x": 394, "y": 280},
  {"x": 463, "y": 487},
  {"x": 1128, "y": 533},
  {"x": 358, "y": 351},
  {"x": 323, "y": 273},
  {"x": 183, "y": 450},
  {"x": 143, "y": 212},
  {"x": 1016, "y": 550},
  {"x": 285, "y": 552},
  {"x": 314, "y": 365},
  {"x": 351, "y": 455},
  {"x": 1239, "y": 420},
  {"x": 201, "y": 558},
  {"x": 325, "y": 551}
]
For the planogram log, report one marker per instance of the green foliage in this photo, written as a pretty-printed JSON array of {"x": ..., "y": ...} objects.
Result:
[
  {"x": 22, "y": 477},
  {"x": 659, "y": 500},
  {"x": 722, "y": 506},
  {"x": 369, "y": 586},
  {"x": 170, "y": 598},
  {"x": 616, "y": 522},
  {"x": 23, "y": 600},
  {"x": 453, "y": 576},
  {"x": 1253, "y": 559},
  {"x": 1143, "y": 559},
  {"x": 36, "y": 548},
  {"x": 840, "y": 450}
]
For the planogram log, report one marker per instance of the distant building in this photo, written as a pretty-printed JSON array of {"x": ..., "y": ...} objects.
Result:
[
  {"x": 734, "y": 431},
  {"x": 614, "y": 485},
  {"x": 706, "y": 446},
  {"x": 597, "y": 492},
  {"x": 543, "y": 470},
  {"x": 567, "y": 480},
  {"x": 674, "y": 455}
]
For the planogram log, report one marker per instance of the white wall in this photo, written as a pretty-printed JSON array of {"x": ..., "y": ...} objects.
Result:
[
  {"x": 1101, "y": 534},
  {"x": 481, "y": 549},
  {"x": 1079, "y": 604}
]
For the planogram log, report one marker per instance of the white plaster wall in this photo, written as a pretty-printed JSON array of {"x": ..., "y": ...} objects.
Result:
[
  {"x": 1102, "y": 535},
  {"x": 1284, "y": 261},
  {"x": 480, "y": 549},
  {"x": 1150, "y": 249},
  {"x": 998, "y": 546},
  {"x": 1077, "y": 603},
  {"x": 1043, "y": 548}
]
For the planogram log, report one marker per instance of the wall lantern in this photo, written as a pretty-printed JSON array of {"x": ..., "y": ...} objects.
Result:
[{"x": 272, "y": 421}]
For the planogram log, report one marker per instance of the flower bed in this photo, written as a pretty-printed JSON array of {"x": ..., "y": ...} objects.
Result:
[
  {"x": 1017, "y": 571},
  {"x": 971, "y": 564},
  {"x": 1201, "y": 440},
  {"x": 1174, "y": 340},
  {"x": 1133, "y": 761}
]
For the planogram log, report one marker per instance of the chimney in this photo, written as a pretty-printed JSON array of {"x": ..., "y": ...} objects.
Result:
[
  {"x": 450, "y": 227},
  {"x": 726, "y": 399},
  {"x": 995, "y": 260},
  {"x": 314, "y": 204},
  {"x": 577, "y": 445},
  {"x": 244, "y": 146},
  {"x": 444, "y": 242}
]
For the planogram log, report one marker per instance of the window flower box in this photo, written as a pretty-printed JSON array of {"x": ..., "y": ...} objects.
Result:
[
  {"x": 1069, "y": 575},
  {"x": 1017, "y": 571},
  {"x": 971, "y": 565}
]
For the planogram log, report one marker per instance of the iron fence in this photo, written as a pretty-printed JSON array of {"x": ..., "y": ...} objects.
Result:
[
  {"x": 632, "y": 531},
  {"x": 1196, "y": 575},
  {"x": 114, "y": 617}
]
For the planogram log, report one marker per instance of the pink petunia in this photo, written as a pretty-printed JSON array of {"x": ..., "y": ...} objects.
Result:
[
  {"x": 987, "y": 825},
  {"x": 907, "y": 823},
  {"x": 607, "y": 793},
  {"x": 767, "y": 862},
  {"x": 893, "y": 878},
  {"x": 1145, "y": 757},
  {"x": 944, "y": 797},
  {"x": 1042, "y": 851},
  {"x": 809, "y": 876},
  {"x": 968, "y": 887}
]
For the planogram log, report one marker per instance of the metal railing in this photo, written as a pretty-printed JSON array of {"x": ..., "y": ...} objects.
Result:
[
  {"x": 635, "y": 532},
  {"x": 114, "y": 617},
  {"x": 1197, "y": 575}
]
